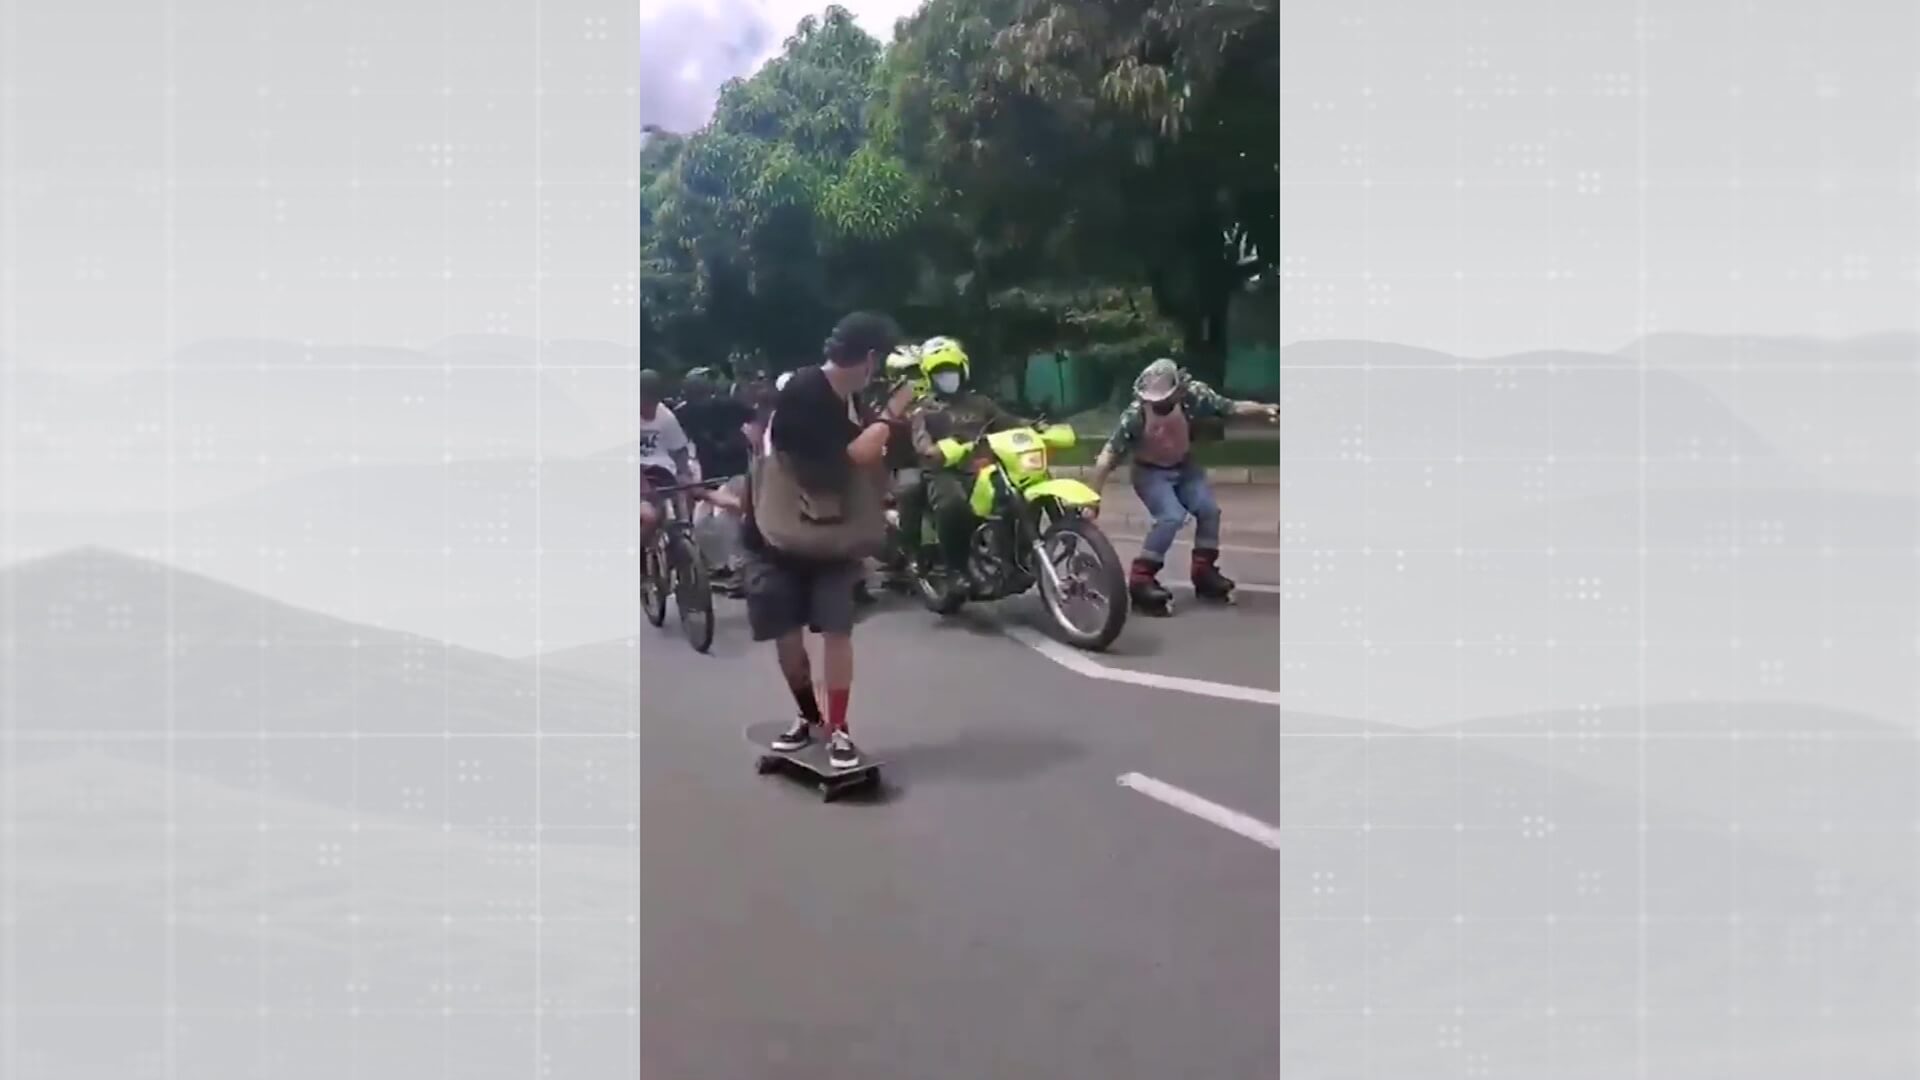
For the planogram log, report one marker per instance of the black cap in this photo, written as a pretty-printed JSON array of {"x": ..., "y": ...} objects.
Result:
[{"x": 861, "y": 333}]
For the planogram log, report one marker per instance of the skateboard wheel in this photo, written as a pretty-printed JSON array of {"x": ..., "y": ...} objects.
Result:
[
  {"x": 828, "y": 792},
  {"x": 766, "y": 765}
]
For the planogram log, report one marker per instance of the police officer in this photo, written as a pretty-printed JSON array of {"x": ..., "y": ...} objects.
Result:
[{"x": 952, "y": 409}]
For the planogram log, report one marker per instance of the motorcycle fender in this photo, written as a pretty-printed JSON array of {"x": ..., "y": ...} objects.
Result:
[{"x": 1066, "y": 489}]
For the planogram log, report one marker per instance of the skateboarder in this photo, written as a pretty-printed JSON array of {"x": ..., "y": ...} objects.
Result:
[
  {"x": 818, "y": 428},
  {"x": 1156, "y": 429}
]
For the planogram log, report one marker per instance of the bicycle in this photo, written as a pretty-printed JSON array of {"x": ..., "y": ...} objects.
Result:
[{"x": 671, "y": 563}]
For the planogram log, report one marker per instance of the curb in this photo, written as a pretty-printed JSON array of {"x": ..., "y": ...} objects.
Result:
[{"x": 1224, "y": 475}]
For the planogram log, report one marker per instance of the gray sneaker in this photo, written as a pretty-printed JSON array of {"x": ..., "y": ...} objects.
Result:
[
  {"x": 841, "y": 753},
  {"x": 795, "y": 737}
]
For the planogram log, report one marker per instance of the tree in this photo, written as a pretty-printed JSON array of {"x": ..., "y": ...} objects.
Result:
[
  {"x": 1130, "y": 139},
  {"x": 778, "y": 216},
  {"x": 1031, "y": 175}
]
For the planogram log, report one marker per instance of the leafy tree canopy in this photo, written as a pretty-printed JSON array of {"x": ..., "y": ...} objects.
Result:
[{"x": 1025, "y": 174}]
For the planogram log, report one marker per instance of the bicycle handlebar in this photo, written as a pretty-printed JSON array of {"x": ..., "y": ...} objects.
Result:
[{"x": 708, "y": 482}]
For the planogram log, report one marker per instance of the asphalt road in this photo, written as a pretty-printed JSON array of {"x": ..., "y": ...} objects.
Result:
[
  {"x": 1009, "y": 909},
  {"x": 1249, "y": 513}
]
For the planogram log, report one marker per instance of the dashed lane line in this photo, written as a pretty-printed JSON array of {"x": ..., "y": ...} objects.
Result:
[{"x": 1205, "y": 809}]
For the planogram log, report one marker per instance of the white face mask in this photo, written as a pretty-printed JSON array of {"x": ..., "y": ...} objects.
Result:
[{"x": 946, "y": 382}]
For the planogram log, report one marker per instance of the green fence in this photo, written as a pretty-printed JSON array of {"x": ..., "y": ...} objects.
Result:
[
  {"x": 1254, "y": 372},
  {"x": 1064, "y": 385},
  {"x": 1060, "y": 384}
]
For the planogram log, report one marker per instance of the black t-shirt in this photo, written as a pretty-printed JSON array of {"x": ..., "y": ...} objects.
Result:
[
  {"x": 812, "y": 426},
  {"x": 713, "y": 426}
]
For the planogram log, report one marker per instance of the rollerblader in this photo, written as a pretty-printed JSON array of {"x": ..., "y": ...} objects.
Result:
[{"x": 1156, "y": 429}]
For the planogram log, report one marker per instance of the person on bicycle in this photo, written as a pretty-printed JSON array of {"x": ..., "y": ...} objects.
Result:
[
  {"x": 716, "y": 424},
  {"x": 1156, "y": 428},
  {"x": 952, "y": 409},
  {"x": 665, "y": 460}
]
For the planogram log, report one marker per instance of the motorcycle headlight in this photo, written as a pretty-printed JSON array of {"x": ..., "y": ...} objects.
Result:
[{"x": 1033, "y": 461}]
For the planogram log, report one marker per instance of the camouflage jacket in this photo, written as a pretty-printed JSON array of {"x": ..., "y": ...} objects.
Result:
[
  {"x": 966, "y": 415},
  {"x": 1199, "y": 402}
]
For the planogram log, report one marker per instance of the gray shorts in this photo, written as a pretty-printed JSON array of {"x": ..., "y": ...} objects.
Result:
[{"x": 787, "y": 594}]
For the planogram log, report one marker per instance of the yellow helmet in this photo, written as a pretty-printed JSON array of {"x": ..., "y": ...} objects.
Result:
[
  {"x": 944, "y": 352},
  {"x": 903, "y": 365},
  {"x": 904, "y": 361}
]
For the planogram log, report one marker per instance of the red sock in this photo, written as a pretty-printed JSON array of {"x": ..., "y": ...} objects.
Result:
[{"x": 837, "y": 708}]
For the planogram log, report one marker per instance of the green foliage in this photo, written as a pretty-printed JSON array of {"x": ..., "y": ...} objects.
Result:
[
  {"x": 1099, "y": 176},
  {"x": 1215, "y": 452}
]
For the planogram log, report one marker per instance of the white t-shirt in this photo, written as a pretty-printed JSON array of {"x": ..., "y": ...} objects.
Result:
[{"x": 660, "y": 438}]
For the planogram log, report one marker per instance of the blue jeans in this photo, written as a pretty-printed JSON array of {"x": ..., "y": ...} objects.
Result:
[{"x": 1170, "y": 494}]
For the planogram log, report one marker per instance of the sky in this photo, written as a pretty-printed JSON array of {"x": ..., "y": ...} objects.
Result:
[{"x": 689, "y": 47}]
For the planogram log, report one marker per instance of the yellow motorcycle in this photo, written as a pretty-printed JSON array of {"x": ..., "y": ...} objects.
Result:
[{"x": 1033, "y": 530}]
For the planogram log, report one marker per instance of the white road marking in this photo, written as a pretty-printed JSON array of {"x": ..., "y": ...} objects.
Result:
[
  {"x": 1081, "y": 664},
  {"x": 1205, "y": 809},
  {"x": 1241, "y": 586}
]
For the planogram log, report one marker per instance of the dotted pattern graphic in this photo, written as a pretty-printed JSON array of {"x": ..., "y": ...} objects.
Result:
[
  {"x": 1599, "y": 544},
  {"x": 318, "y": 718}
]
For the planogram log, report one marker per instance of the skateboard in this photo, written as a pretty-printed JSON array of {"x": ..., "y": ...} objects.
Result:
[{"x": 812, "y": 759}]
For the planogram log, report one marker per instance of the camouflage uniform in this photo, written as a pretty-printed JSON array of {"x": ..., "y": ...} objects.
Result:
[
  {"x": 1199, "y": 401},
  {"x": 966, "y": 415}
]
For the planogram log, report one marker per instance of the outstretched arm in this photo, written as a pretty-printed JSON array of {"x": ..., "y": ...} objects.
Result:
[
  {"x": 1118, "y": 445},
  {"x": 722, "y": 498},
  {"x": 1211, "y": 402},
  {"x": 870, "y": 448},
  {"x": 1102, "y": 466}
]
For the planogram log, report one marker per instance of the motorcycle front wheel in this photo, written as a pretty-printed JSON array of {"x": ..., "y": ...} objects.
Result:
[{"x": 1090, "y": 576}]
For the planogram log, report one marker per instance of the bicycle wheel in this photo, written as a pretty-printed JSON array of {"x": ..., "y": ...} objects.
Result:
[
  {"x": 692, "y": 593},
  {"x": 653, "y": 585}
]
